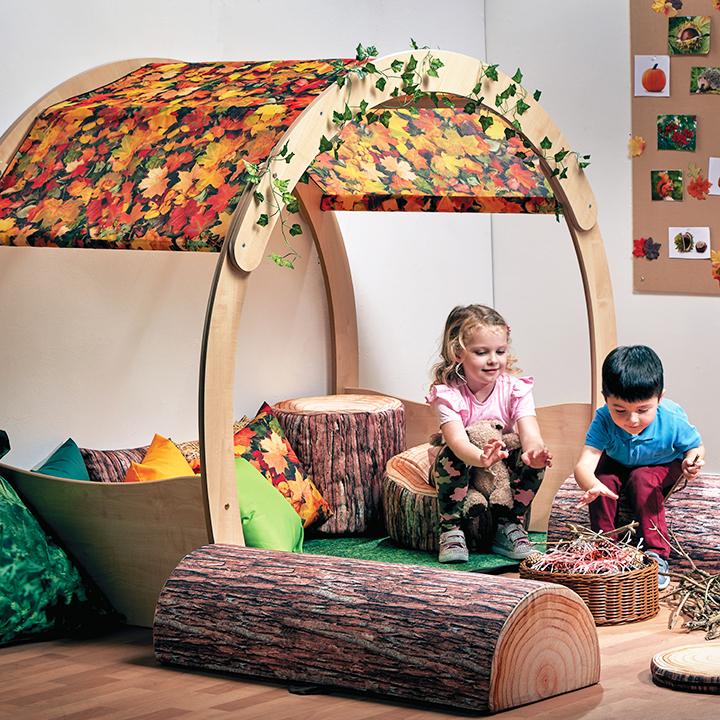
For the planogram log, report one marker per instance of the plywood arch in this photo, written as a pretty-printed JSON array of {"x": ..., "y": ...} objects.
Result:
[{"x": 246, "y": 242}]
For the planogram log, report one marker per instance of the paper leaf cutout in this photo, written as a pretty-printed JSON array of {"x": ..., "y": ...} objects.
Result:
[
  {"x": 647, "y": 248},
  {"x": 715, "y": 259},
  {"x": 637, "y": 144}
]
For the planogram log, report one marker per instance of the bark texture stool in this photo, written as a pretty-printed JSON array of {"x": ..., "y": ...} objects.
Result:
[
  {"x": 467, "y": 640},
  {"x": 344, "y": 442},
  {"x": 691, "y": 514},
  {"x": 410, "y": 505}
]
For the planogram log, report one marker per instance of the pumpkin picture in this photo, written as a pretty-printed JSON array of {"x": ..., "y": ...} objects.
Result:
[
  {"x": 652, "y": 75},
  {"x": 653, "y": 79}
]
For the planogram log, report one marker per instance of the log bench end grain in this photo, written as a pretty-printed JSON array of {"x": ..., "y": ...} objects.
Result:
[{"x": 465, "y": 640}]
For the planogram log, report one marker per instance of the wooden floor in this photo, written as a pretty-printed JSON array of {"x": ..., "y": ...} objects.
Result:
[{"x": 117, "y": 678}]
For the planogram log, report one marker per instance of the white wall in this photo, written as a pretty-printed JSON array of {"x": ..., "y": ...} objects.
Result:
[
  {"x": 578, "y": 53},
  {"x": 104, "y": 346}
]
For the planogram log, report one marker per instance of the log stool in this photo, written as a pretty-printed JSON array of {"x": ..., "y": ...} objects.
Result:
[
  {"x": 410, "y": 505},
  {"x": 344, "y": 442},
  {"x": 468, "y": 640},
  {"x": 691, "y": 514}
]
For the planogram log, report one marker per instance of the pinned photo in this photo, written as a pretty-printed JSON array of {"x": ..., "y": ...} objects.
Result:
[
  {"x": 689, "y": 35},
  {"x": 705, "y": 80},
  {"x": 652, "y": 75},
  {"x": 689, "y": 243},
  {"x": 666, "y": 184},
  {"x": 677, "y": 132},
  {"x": 714, "y": 176}
]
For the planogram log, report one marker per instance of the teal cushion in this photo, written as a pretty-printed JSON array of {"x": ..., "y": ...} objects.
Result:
[
  {"x": 268, "y": 520},
  {"x": 65, "y": 462}
]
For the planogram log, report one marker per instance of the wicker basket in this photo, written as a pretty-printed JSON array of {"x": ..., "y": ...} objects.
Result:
[{"x": 612, "y": 599}]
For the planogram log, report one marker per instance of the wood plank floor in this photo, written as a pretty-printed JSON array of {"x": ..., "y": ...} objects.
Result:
[{"x": 117, "y": 678}]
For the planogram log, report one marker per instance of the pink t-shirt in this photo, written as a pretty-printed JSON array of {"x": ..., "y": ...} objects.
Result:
[{"x": 510, "y": 399}]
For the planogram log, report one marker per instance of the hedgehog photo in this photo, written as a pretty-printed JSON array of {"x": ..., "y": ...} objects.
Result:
[{"x": 708, "y": 81}]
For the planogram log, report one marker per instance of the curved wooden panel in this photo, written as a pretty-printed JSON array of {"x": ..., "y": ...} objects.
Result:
[
  {"x": 81, "y": 83},
  {"x": 127, "y": 536}
]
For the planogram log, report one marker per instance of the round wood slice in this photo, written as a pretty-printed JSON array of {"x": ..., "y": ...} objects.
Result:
[
  {"x": 344, "y": 442},
  {"x": 691, "y": 668}
]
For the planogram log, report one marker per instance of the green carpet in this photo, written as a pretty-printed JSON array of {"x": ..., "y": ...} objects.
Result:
[{"x": 384, "y": 550}]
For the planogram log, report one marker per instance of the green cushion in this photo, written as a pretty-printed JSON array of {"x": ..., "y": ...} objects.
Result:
[
  {"x": 268, "y": 520},
  {"x": 65, "y": 462}
]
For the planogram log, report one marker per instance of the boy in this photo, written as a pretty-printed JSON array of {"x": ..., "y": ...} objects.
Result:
[{"x": 639, "y": 443}]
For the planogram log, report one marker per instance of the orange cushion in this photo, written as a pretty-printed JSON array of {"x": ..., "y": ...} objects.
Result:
[{"x": 163, "y": 460}]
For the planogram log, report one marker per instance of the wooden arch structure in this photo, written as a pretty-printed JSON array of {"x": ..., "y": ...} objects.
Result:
[{"x": 241, "y": 249}]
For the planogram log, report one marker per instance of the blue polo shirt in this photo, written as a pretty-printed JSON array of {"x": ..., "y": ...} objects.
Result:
[{"x": 668, "y": 437}]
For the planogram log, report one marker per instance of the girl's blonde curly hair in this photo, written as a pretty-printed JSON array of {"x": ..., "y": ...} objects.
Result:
[{"x": 461, "y": 323}]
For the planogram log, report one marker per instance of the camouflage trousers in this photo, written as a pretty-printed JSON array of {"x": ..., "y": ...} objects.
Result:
[{"x": 451, "y": 477}]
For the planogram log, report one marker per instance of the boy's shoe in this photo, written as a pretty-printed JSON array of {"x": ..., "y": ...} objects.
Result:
[
  {"x": 453, "y": 548},
  {"x": 512, "y": 541},
  {"x": 663, "y": 576}
]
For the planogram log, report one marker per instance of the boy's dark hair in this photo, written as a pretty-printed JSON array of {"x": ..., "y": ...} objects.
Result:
[{"x": 632, "y": 373}]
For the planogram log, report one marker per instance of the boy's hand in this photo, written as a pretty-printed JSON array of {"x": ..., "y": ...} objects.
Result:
[
  {"x": 594, "y": 493},
  {"x": 492, "y": 451},
  {"x": 537, "y": 458},
  {"x": 691, "y": 468}
]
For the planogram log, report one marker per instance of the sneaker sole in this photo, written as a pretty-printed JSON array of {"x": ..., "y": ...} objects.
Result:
[
  {"x": 510, "y": 553},
  {"x": 454, "y": 558}
]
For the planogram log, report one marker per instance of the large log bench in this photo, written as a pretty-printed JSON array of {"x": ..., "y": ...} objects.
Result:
[
  {"x": 471, "y": 641},
  {"x": 691, "y": 513}
]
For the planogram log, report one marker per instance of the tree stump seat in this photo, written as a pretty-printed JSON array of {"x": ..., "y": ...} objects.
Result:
[
  {"x": 344, "y": 442},
  {"x": 410, "y": 506},
  {"x": 691, "y": 514},
  {"x": 466, "y": 640}
]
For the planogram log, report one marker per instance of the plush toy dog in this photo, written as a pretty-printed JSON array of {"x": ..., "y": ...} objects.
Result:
[{"x": 489, "y": 487}]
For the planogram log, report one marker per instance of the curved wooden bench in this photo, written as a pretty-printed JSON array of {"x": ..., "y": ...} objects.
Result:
[
  {"x": 691, "y": 514},
  {"x": 344, "y": 442},
  {"x": 410, "y": 505},
  {"x": 467, "y": 640}
]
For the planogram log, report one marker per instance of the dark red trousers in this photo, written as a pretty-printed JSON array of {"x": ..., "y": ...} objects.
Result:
[{"x": 646, "y": 488}]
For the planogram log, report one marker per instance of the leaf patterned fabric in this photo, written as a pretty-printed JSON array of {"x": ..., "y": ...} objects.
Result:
[
  {"x": 153, "y": 160},
  {"x": 432, "y": 159}
]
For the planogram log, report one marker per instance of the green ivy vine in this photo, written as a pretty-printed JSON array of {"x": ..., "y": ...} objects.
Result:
[{"x": 408, "y": 78}]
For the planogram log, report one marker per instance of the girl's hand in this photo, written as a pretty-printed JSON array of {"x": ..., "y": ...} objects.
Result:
[
  {"x": 492, "y": 451},
  {"x": 594, "y": 492},
  {"x": 537, "y": 458},
  {"x": 691, "y": 468}
]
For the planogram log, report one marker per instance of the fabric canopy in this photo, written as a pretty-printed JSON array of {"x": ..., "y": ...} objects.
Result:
[
  {"x": 436, "y": 159},
  {"x": 156, "y": 159}
]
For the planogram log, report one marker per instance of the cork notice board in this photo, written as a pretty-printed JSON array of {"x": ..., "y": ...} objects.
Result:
[{"x": 677, "y": 269}]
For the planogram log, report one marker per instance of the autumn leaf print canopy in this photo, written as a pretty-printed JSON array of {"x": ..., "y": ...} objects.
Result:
[{"x": 157, "y": 159}]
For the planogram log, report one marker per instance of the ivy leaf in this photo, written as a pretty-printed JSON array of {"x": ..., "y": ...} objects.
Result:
[
  {"x": 396, "y": 65},
  {"x": 281, "y": 185},
  {"x": 470, "y": 107},
  {"x": 411, "y": 63},
  {"x": 546, "y": 143},
  {"x": 583, "y": 164},
  {"x": 289, "y": 157},
  {"x": 435, "y": 99},
  {"x": 395, "y": 92},
  {"x": 486, "y": 121},
  {"x": 521, "y": 106},
  {"x": 380, "y": 84},
  {"x": 385, "y": 118},
  {"x": 413, "y": 44},
  {"x": 325, "y": 144},
  {"x": 281, "y": 261},
  {"x": 491, "y": 71},
  {"x": 371, "y": 117},
  {"x": 295, "y": 229},
  {"x": 360, "y": 52},
  {"x": 371, "y": 50},
  {"x": 536, "y": 95},
  {"x": 263, "y": 220},
  {"x": 518, "y": 76},
  {"x": 259, "y": 197},
  {"x": 477, "y": 88},
  {"x": 291, "y": 203},
  {"x": 510, "y": 133},
  {"x": 341, "y": 80},
  {"x": 363, "y": 106},
  {"x": 304, "y": 178},
  {"x": 369, "y": 68},
  {"x": 563, "y": 174},
  {"x": 560, "y": 155},
  {"x": 516, "y": 124},
  {"x": 283, "y": 152}
]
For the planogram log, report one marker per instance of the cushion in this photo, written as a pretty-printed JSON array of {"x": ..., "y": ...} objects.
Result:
[
  {"x": 41, "y": 591},
  {"x": 262, "y": 442},
  {"x": 191, "y": 448},
  {"x": 163, "y": 460},
  {"x": 268, "y": 521},
  {"x": 65, "y": 462},
  {"x": 111, "y": 465}
]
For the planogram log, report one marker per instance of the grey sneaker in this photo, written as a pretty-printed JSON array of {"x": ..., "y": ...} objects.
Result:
[
  {"x": 453, "y": 548},
  {"x": 511, "y": 541},
  {"x": 663, "y": 576}
]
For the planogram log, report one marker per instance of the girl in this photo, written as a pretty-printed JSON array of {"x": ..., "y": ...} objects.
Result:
[{"x": 471, "y": 383}]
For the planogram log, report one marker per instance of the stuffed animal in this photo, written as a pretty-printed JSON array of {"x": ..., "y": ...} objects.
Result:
[{"x": 490, "y": 487}]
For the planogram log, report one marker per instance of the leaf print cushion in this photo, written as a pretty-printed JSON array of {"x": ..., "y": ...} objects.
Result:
[{"x": 263, "y": 444}]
